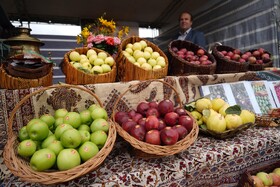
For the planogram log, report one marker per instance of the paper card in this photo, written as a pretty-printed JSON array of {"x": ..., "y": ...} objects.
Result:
[
  {"x": 244, "y": 96},
  {"x": 275, "y": 90},
  {"x": 263, "y": 95}
]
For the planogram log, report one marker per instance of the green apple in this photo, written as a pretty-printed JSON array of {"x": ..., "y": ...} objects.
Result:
[
  {"x": 102, "y": 55},
  {"x": 84, "y": 127},
  {"x": 74, "y": 56},
  {"x": 149, "y": 49},
  {"x": 84, "y": 60},
  {"x": 109, "y": 60},
  {"x": 71, "y": 138},
  {"x": 73, "y": 119},
  {"x": 86, "y": 65},
  {"x": 47, "y": 141},
  {"x": 77, "y": 65},
  {"x": 26, "y": 148},
  {"x": 160, "y": 58},
  {"x": 141, "y": 60},
  {"x": 152, "y": 62},
  {"x": 157, "y": 67},
  {"x": 99, "y": 113},
  {"x": 99, "y": 138},
  {"x": 22, "y": 134},
  {"x": 85, "y": 117},
  {"x": 100, "y": 124},
  {"x": 91, "y": 52},
  {"x": 155, "y": 55},
  {"x": 131, "y": 59},
  {"x": 137, "y": 54},
  {"x": 67, "y": 159},
  {"x": 265, "y": 177},
  {"x": 106, "y": 68},
  {"x": 48, "y": 119},
  {"x": 98, "y": 61},
  {"x": 92, "y": 107},
  {"x": 57, "y": 122},
  {"x": 129, "y": 45},
  {"x": 137, "y": 46},
  {"x": 34, "y": 120},
  {"x": 126, "y": 54},
  {"x": 161, "y": 63},
  {"x": 146, "y": 66},
  {"x": 129, "y": 51},
  {"x": 92, "y": 58},
  {"x": 143, "y": 44},
  {"x": 42, "y": 160},
  {"x": 83, "y": 56},
  {"x": 60, "y": 113},
  {"x": 85, "y": 135},
  {"x": 60, "y": 129},
  {"x": 147, "y": 55},
  {"x": 277, "y": 171},
  {"x": 96, "y": 70},
  {"x": 88, "y": 150},
  {"x": 56, "y": 146},
  {"x": 38, "y": 131}
]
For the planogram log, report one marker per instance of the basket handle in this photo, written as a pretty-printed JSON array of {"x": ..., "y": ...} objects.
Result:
[
  {"x": 18, "y": 105},
  {"x": 147, "y": 81}
]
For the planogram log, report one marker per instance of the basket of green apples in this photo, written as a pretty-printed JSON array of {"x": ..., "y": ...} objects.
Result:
[{"x": 58, "y": 133}]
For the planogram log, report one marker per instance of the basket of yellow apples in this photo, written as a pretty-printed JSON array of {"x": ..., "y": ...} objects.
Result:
[{"x": 218, "y": 119}]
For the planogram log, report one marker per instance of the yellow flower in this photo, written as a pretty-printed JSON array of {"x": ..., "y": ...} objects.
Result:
[{"x": 85, "y": 32}]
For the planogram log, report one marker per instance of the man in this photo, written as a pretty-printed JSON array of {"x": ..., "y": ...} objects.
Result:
[{"x": 187, "y": 33}]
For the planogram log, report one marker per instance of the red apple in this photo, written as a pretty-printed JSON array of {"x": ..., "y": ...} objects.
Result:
[
  {"x": 230, "y": 54},
  {"x": 186, "y": 121},
  {"x": 235, "y": 57},
  {"x": 131, "y": 113},
  {"x": 259, "y": 62},
  {"x": 190, "y": 53},
  {"x": 256, "y": 53},
  {"x": 153, "y": 104},
  {"x": 224, "y": 52},
  {"x": 237, "y": 51},
  {"x": 171, "y": 118},
  {"x": 184, "y": 50},
  {"x": 252, "y": 60},
  {"x": 203, "y": 58},
  {"x": 142, "y": 122},
  {"x": 137, "y": 117},
  {"x": 227, "y": 57},
  {"x": 180, "y": 111},
  {"x": 265, "y": 57},
  {"x": 153, "y": 137},
  {"x": 248, "y": 53},
  {"x": 241, "y": 60},
  {"x": 138, "y": 132},
  {"x": 128, "y": 125},
  {"x": 152, "y": 122},
  {"x": 162, "y": 124},
  {"x": 165, "y": 106},
  {"x": 169, "y": 136},
  {"x": 182, "y": 131},
  {"x": 206, "y": 62},
  {"x": 119, "y": 115},
  {"x": 261, "y": 50},
  {"x": 142, "y": 107},
  {"x": 245, "y": 56},
  {"x": 200, "y": 52},
  {"x": 152, "y": 112}
]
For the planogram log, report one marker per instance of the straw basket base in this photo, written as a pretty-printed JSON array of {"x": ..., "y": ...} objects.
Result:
[
  {"x": 10, "y": 82},
  {"x": 141, "y": 154}
]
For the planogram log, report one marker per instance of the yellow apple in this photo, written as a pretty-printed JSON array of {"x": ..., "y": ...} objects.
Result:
[
  {"x": 149, "y": 49},
  {"x": 91, "y": 52},
  {"x": 233, "y": 121},
  {"x": 109, "y": 60},
  {"x": 98, "y": 61},
  {"x": 102, "y": 55},
  {"x": 216, "y": 123},
  {"x": 137, "y": 46},
  {"x": 74, "y": 56},
  {"x": 217, "y": 103},
  {"x": 247, "y": 116},
  {"x": 203, "y": 103}
]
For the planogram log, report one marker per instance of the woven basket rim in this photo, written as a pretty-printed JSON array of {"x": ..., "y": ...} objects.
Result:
[
  {"x": 151, "y": 149},
  {"x": 217, "y": 55},
  {"x": 21, "y": 168}
]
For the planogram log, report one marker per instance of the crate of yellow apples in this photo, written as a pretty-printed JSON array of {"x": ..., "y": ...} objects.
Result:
[{"x": 217, "y": 118}]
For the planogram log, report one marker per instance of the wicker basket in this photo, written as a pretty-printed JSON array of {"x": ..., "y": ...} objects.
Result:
[
  {"x": 143, "y": 147},
  {"x": 260, "y": 67},
  {"x": 47, "y": 100},
  {"x": 10, "y": 82},
  {"x": 127, "y": 71},
  {"x": 225, "y": 65},
  {"x": 226, "y": 134},
  {"x": 272, "y": 119},
  {"x": 179, "y": 66},
  {"x": 75, "y": 76}
]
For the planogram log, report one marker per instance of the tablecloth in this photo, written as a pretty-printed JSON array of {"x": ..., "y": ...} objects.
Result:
[{"x": 208, "y": 162}]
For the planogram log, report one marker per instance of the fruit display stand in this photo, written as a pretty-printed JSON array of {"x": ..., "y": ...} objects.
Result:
[
  {"x": 77, "y": 76},
  {"x": 208, "y": 162},
  {"x": 151, "y": 149},
  {"x": 181, "y": 66},
  {"x": 47, "y": 100},
  {"x": 127, "y": 71}
]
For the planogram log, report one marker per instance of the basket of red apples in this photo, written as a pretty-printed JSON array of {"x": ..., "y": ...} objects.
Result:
[
  {"x": 188, "y": 58},
  {"x": 56, "y": 134},
  {"x": 258, "y": 59},
  {"x": 229, "y": 60},
  {"x": 155, "y": 126}
]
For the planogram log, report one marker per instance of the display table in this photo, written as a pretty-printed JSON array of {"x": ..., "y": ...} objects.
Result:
[{"x": 208, "y": 162}]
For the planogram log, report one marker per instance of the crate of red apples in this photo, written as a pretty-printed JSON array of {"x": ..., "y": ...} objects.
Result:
[
  {"x": 232, "y": 60},
  {"x": 188, "y": 58},
  {"x": 155, "y": 127}
]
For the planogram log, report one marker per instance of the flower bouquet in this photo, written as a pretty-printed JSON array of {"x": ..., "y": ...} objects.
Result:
[{"x": 102, "y": 34}]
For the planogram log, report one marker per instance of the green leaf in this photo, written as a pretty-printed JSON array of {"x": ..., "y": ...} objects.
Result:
[
  {"x": 235, "y": 109},
  {"x": 190, "y": 106},
  {"x": 203, "y": 126}
]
